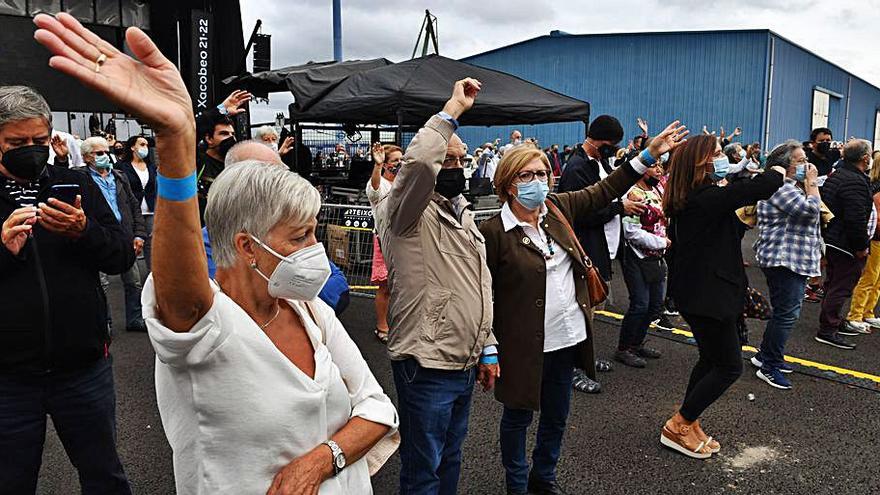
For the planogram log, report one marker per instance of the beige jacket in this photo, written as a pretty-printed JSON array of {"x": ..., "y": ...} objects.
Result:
[{"x": 440, "y": 311}]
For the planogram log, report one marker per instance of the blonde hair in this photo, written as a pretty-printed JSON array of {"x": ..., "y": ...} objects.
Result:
[
  {"x": 512, "y": 164},
  {"x": 875, "y": 166}
]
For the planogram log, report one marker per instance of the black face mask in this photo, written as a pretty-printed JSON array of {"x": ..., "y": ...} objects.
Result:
[
  {"x": 606, "y": 151},
  {"x": 824, "y": 147},
  {"x": 450, "y": 182},
  {"x": 225, "y": 146},
  {"x": 652, "y": 181},
  {"x": 27, "y": 162}
]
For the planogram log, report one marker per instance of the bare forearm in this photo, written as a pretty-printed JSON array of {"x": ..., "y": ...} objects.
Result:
[
  {"x": 358, "y": 436},
  {"x": 376, "y": 176},
  {"x": 183, "y": 294}
]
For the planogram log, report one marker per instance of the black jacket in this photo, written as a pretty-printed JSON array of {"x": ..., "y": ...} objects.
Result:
[
  {"x": 140, "y": 192},
  {"x": 582, "y": 171},
  {"x": 706, "y": 276},
  {"x": 823, "y": 165},
  {"x": 129, "y": 206},
  {"x": 847, "y": 193},
  {"x": 54, "y": 311}
]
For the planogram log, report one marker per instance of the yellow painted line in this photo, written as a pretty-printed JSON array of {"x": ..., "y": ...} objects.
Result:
[
  {"x": 364, "y": 287},
  {"x": 360, "y": 229},
  {"x": 790, "y": 359}
]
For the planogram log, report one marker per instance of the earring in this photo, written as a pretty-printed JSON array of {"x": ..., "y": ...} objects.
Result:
[{"x": 254, "y": 264}]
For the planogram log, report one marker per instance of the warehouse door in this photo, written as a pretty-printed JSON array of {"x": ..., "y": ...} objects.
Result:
[
  {"x": 821, "y": 104},
  {"x": 877, "y": 130}
]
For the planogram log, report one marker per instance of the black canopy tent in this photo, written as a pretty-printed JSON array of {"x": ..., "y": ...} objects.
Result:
[{"x": 407, "y": 93}]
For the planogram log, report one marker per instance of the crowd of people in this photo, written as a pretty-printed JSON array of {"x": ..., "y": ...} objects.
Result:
[{"x": 259, "y": 386}]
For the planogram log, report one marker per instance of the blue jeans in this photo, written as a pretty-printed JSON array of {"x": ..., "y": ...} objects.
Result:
[
  {"x": 786, "y": 298},
  {"x": 82, "y": 404},
  {"x": 646, "y": 284},
  {"x": 131, "y": 282},
  {"x": 434, "y": 407},
  {"x": 555, "y": 402}
]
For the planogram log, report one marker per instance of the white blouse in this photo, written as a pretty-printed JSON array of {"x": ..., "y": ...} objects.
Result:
[{"x": 236, "y": 410}]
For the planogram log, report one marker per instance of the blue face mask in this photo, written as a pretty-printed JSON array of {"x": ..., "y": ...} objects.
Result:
[
  {"x": 800, "y": 172},
  {"x": 103, "y": 162},
  {"x": 532, "y": 194},
  {"x": 143, "y": 152},
  {"x": 721, "y": 165}
]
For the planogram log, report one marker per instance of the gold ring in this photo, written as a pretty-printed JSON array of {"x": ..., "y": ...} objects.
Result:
[{"x": 100, "y": 61}]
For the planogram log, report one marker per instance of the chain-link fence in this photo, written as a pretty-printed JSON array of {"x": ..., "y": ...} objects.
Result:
[{"x": 347, "y": 233}]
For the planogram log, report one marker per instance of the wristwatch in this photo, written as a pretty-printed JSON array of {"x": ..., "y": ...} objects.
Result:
[{"x": 338, "y": 456}]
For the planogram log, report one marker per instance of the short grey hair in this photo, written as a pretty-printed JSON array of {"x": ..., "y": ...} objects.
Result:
[
  {"x": 731, "y": 148},
  {"x": 22, "y": 103},
  {"x": 782, "y": 154},
  {"x": 855, "y": 150},
  {"x": 89, "y": 144},
  {"x": 265, "y": 131},
  {"x": 254, "y": 197}
]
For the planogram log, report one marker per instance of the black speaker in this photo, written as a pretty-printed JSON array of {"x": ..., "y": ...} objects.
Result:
[{"x": 262, "y": 52}]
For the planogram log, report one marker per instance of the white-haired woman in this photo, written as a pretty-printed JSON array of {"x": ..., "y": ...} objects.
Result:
[
  {"x": 123, "y": 203},
  {"x": 259, "y": 387},
  {"x": 268, "y": 135}
]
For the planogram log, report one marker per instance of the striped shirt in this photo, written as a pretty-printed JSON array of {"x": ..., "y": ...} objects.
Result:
[
  {"x": 22, "y": 194},
  {"x": 788, "y": 231}
]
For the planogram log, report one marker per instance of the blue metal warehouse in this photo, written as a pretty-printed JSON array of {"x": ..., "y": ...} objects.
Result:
[{"x": 755, "y": 79}]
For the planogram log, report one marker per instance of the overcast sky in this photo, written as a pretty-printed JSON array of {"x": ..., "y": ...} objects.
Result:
[{"x": 846, "y": 32}]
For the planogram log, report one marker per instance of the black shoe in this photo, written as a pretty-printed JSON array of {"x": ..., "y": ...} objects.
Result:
[
  {"x": 835, "y": 340},
  {"x": 648, "y": 352},
  {"x": 582, "y": 383},
  {"x": 630, "y": 359},
  {"x": 664, "y": 323},
  {"x": 545, "y": 488}
]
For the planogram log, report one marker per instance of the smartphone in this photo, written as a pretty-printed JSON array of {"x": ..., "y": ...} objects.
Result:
[{"x": 65, "y": 192}]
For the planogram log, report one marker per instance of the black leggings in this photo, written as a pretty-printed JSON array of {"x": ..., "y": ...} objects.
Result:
[{"x": 719, "y": 366}]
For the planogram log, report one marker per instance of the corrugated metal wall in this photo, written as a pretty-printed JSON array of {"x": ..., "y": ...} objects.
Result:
[
  {"x": 796, "y": 73},
  {"x": 711, "y": 78}
]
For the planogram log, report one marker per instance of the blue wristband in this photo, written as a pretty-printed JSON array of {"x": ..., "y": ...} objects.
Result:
[
  {"x": 646, "y": 158},
  {"x": 490, "y": 359},
  {"x": 176, "y": 189}
]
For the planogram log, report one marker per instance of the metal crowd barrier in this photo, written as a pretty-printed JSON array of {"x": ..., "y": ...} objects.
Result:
[{"x": 347, "y": 233}]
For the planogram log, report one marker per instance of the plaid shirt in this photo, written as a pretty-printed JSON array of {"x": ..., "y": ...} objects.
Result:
[{"x": 788, "y": 231}]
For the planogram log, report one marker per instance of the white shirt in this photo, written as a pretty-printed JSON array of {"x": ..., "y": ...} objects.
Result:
[
  {"x": 236, "y": 410},
  {"x": 564, "y": 322},
  {"x": 144, "y": 176},
  {"x": 376, "y": 195},
  {"x": 612, "y": 227}
]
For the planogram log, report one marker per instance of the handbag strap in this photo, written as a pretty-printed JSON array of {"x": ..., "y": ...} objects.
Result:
[{"x": 556, "y": 211}]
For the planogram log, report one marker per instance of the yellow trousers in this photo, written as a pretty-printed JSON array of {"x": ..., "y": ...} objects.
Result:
[{"x": 867, "y": 291}]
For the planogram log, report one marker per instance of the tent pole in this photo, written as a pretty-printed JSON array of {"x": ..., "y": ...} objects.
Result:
[
  {"x": 399, "y": 136},
  {"x": 297, "y": 142}
]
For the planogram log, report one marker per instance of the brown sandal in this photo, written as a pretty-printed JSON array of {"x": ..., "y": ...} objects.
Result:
[
  {"x": 680, "y": 435},
  {"x": 382, "y": 336},
  {"x": 713, "y": 445}
]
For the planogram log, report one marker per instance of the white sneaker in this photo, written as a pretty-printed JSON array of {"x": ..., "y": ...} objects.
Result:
[
  {"x": 852, "y": 328},
  {"x": 873, "y": 322}
]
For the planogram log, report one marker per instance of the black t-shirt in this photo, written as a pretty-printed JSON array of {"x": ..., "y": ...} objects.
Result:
[
  {"x": 208, "y": 170},
  {"x": 823, "y": 165}
]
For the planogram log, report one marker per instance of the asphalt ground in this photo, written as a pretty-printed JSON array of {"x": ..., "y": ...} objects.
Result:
[{"x": 821, "y": 437}]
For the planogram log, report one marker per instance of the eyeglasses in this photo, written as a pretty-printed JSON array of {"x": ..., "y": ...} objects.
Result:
[
  {"x": 453, "y": 159},
  {"x": 99, "y": 153},
  {"x": 529, "y": 176}
]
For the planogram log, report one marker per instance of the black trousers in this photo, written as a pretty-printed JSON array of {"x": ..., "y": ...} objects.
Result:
[{"x": 719, "y": 366}]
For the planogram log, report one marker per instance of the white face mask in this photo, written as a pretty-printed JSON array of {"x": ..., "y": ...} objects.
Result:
[
  {"x": 274, "y": 146},
  {"x": 299, "y": 276}
]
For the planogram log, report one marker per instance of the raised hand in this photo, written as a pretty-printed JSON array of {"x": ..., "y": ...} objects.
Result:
[
  {"x": 59, "y": 145},
  {"x": 286, "y": 146},
  {"x": 378, "y": 152},
  {"x": 235, "y": 100},
  {"x": 464, "y": 93},
  {"x": 148, "y": 87},
  {"x": 737, "y": 131},
  {"x": 670, "y": 138},
  {"x": 643, "y": 125}
]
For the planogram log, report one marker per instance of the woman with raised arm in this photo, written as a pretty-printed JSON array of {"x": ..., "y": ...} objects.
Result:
[
  {"x": 259, "y": 387},
  {"x": 707, "y": 278}
]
